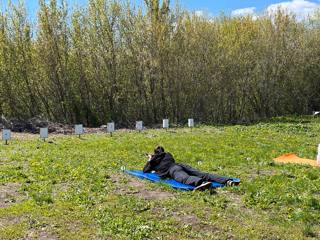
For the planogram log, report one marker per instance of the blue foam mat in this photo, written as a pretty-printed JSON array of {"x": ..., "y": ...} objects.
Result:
[{"x": 173, "y": 183}]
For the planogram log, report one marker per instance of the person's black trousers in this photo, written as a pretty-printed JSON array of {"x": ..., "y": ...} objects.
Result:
[{"x": 188, "y": 175}]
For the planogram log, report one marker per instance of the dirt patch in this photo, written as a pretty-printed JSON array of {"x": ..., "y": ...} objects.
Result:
[
  {"x": 10, "y": 195},
  {"x": 60, "y": 188},
  {"x": 49, "y": 231},
  {"x": 60, "y": 133},
  {"x": 7, "y": 221},
  {"x": 33, "y": 125},
  {"x": 184, "y": 217},
  {"x": 40, "y": 233},
  {"x": 233, "y": 199},
  {"x": 139, "y": 188},
  {"x": 44, "y": 234},
  {"x": 136, "y": 183},
  {"x": 154, "y": 194}
]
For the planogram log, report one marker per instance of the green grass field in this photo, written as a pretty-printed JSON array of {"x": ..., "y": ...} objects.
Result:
[{"x": 73, "y": 188}]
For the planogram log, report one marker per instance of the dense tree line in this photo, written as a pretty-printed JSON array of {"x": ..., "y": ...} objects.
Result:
[{"x": 113, "y": 61}]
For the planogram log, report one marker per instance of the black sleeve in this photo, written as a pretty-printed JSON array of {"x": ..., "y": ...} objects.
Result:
[
  {"x": 147, "y": 168},
  {"x": 151, "y": 163}
]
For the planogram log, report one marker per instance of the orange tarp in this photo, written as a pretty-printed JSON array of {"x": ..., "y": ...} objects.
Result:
[{"x": 292, "y": 158}]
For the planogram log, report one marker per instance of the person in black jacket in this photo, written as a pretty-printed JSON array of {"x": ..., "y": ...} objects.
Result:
[{"x": 165, "y": 166}]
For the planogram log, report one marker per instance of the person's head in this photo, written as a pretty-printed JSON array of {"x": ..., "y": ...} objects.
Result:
[{"x": 158, "y": 150}]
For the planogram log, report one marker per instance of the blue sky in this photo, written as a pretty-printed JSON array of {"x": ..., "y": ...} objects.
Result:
[
  {"x": 227, "y": 6},
  {"x": 214, "y": 7}
]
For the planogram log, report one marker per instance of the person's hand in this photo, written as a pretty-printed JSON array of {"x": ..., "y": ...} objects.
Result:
[{"x": 149, "y": 156}]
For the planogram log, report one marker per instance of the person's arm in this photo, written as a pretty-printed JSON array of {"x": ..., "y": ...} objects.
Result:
[{"x": 148, "y": 167}]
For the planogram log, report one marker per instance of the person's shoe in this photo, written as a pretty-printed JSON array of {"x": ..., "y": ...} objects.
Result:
[
  {"x": 231, "y": 183},
  {"x": 203, "y": 186}
]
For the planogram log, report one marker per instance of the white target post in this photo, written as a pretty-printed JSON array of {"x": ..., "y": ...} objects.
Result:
[
  {"x": 78, "y": 129},
  {"x": 190, "y": 123},
  {"x": 318, "y": 156},
  {"x": 110, "y": 128},
  {"x": 44, "y": 134},
  {"x": 139, "y": 126},
  {"x": 165, "y": 123},
  {"x": 6, "y": 135}
]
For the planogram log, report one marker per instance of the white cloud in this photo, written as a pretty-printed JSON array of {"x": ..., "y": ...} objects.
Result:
[
  {"x": 244, "y": 12},
  {"x": 199, "y": 13},
  {"x": 301, "y": 8},
  {"x": 203, "y": 13}
]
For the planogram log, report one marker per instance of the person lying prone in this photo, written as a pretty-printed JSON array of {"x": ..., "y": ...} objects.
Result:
[{"x": 165, "y": 166}]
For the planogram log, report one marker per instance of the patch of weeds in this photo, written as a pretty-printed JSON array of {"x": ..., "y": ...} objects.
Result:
[
  {"x": 15, "y": 231},
  {"x": 308, "y": 231},
  {"x": 41, "y": 193},
  {"x": 119, "y": 221}
]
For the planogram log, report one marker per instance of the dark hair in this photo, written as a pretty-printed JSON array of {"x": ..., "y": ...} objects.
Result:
[{"x": 158, "y": 150}]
